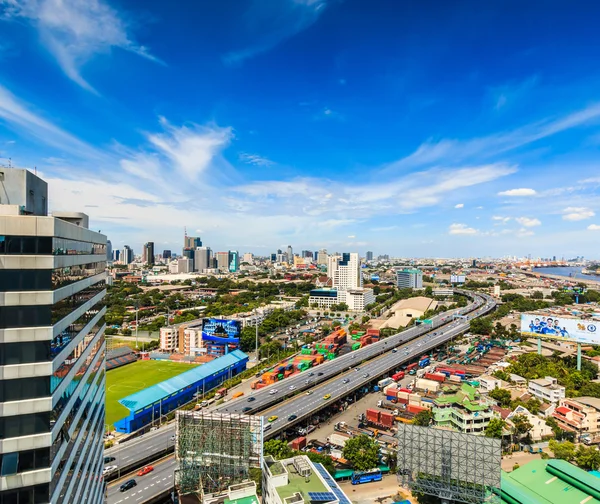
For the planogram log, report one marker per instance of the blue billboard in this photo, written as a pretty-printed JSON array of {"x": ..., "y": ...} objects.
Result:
[{"x": 221, "y": 330}]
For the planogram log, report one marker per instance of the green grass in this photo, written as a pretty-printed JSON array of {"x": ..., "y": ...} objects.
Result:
[{"x": 132, "y": 378}]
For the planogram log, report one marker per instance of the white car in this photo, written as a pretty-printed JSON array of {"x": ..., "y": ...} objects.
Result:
[
  {"x": 272, "y": 392},
  {"x": 109, "y": 469},
  {"x": 292, "y": 387}
]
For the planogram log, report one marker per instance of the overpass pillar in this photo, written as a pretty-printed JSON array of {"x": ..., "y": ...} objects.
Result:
[
  {"x": 578, "y": 356},
  {"x": 539, "y": 346}
]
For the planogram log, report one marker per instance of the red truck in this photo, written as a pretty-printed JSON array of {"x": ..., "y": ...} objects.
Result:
[{"x": 398, "y": 376}]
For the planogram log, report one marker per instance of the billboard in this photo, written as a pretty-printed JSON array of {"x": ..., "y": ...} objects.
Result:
[
  {"x": 457, "y": 279},
  {"x": 447, "y": 464},
  {"x": 560, "y": 328}
]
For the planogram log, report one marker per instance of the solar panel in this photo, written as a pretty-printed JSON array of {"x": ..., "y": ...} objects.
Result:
[
  {"x": 335, "y": 489},
  {"x": 321, "y": 496}
]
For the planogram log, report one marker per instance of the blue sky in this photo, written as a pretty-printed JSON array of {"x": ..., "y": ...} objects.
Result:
[{"x": 409, "y": 128}]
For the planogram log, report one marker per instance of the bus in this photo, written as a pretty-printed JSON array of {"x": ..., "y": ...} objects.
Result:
[{"x": 366, "y": 476}]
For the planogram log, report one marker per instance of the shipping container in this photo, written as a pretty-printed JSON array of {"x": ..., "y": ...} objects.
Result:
[
  {"x": 386, "y": 419},
  {"x": 338, "y": 439},
  {"x": 384, "y": 382},
  {"x": 398, "y": 376},
  {"x": 411, "y": 366},
  {"x": 373, "y": 415}
]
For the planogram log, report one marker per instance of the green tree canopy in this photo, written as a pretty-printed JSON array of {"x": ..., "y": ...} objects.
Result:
[
  {"x": 494, "y": 428},
  {"x": 423, "y": 418},
  {"x": 564, "y": 450},
  {"x": 362, "y": 452},
  {"x": 277, "y": 448},
  {"x": 502, "y": 396}
]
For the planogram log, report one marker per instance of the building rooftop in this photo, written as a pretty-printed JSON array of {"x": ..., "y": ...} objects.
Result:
[
  {"x": 545, "y": 482},
  {"x": 594, "y": 402},
  {"x": 298, "y": 484},
  {"x": 149, "y": 396}
]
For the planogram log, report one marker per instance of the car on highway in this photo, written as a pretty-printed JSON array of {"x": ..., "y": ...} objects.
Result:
[
  {"x": 394, "y": 350},
  {"x": 273, "y": 418},
  {"x": 250, "y": 399},
  {"x": 356, "y": 368},
  {"x": 109, "y": 469},
  {"x": 319, "y": 373},
  {"x": 308, "y": 392},
  {"x": 145, "y": 470},
  {"x": 346, "y": 380},
  {"x": 292, "y": 387},
  {"x": 109, "y": 459},
  {"x": 127, "y": 485},
  {"x": 327, "y": 396},
  {"x": 274, "y": 391},
  {"x": 366, "y": 375},
  {"x": 292, "y": 417},
  {"x": 246, "y": 409},
  {"x": 311, "y": 374}
]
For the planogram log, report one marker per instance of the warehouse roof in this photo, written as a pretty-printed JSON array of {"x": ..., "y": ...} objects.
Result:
[
  {"x": 162, "y": 390},
  {"x": 534, "y": 483}
]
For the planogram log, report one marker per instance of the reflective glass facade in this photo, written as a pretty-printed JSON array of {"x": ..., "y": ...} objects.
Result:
[{"x": 73, "y": 355}]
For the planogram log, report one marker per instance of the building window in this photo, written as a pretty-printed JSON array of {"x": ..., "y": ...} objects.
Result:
[
  {"x": 24, "y": 352},
  {"x": 24, "y": 388},
  {"x": 24, "y": 425}
]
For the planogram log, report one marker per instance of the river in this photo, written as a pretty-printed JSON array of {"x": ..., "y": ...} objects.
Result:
[{"x": 567, "y": 271}]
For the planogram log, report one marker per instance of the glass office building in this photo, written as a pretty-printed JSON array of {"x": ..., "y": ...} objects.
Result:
[{"x": 52, "y": 350}]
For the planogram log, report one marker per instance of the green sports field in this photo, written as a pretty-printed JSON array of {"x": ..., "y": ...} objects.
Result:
[{"x": 131, "y": 378}]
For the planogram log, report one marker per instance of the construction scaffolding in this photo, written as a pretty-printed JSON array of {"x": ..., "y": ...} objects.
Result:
[
  {"x": 452, "y": 466},
  {"x": 215, "y": 451}
]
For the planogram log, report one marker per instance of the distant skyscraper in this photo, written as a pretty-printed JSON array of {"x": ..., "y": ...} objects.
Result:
[
  {"x": 166, "y": 254},
  {"x": 202, "y": 258},
  {"x": 322, "y": 257},
  {"x": 127, "y": 255},
  {"x": 222, "y": 260},
  {"x": 234, "y": 261},
  {"x": 290, "y": 254},
  {"x": 116, "y": 255},
  {"x": 248, "y": 258},
  {"x": 52, "y": 349},
  {"x": 148, "y": 253},
  {"x": 109, "y": 250},
  {"x": 192, "y": 242},
  {"x": 369, "y": 256},
  {"x": 273, "y": 257},
  {"x": 345, "y": 271},
  {"x": 189, "y": 254}
]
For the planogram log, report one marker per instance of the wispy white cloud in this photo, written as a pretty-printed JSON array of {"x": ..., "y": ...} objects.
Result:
[
  {"x": 501, "y": 219},
  {"x": 511, "y": 92},
  {"x": 269, "y": 24},
  {"x": 432, "y": 152},
  {"x": 518, "y": 192},
  {"x": 459, "y": 205},
  {"x": 256, "y": 160},
  {"x": 75, "y": 31},
  {"x": 594, "y": 227},
  {"x": 528, "y": 222},
  {"x": 461, "y": 229},
  {"x": 577, "y": 213},
  {"x": 383, "y": 229}
]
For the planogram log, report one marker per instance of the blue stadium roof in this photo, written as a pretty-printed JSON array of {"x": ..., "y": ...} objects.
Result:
[{"x": 149, "y": 396}]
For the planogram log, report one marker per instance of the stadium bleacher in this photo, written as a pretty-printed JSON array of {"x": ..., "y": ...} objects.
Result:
[{"x": 119, "y": 357}]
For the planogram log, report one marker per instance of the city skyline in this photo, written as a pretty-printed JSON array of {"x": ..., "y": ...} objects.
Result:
[{"x": 312, "y": 122}]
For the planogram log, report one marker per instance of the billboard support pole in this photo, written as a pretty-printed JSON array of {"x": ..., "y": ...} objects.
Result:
[
  {"x": 578, "y": 356},
  {"x": 539, "y": 346}
]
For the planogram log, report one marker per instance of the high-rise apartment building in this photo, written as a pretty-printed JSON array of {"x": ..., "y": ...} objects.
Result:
[
  {"x": 52, "y": 349},
  {"x": 369, "y": 256},
  {"x": 166, "y": 254},
  {"x": 290, "y": 254},
  {"x": 248, "y": 258},
  {"x": 116, "y": 255},
  {"x": 148, "y": 253},
  {"x": 409, "y": 278},
  {"x": 191, "y": 255},
  {"x": 345, "y": 271},
  {"x": 109, "y": 251},
  {"x": 202, "y": 259},
  {"x": 127, "y": 255}
]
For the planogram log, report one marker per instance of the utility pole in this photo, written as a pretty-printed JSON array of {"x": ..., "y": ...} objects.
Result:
[
  {"x": 256, "y": 323},
  {"x": 137, "y": 307}
]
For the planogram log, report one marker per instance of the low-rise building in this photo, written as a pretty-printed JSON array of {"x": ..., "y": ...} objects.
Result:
[
  {"x": 488, "y": 383},
  {"x": 539, "y": 428},
  {"x": 579, "y": 415},
  {"x": 298, "y": 480},
  {"x": 356, "y": 299},
  {"x": 323, "y": 298},
  {"x": 546, "y": 389}
]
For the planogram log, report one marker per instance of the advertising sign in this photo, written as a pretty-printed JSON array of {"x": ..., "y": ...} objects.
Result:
[
  {"x": 457, "y": 279},
  {"x": 559, "y": 328}
]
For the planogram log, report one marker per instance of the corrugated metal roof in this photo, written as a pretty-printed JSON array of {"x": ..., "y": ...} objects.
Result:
[{"x": 161, "y": 390}]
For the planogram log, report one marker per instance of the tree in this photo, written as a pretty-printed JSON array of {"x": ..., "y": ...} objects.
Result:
[
  {"x": 494, "y": 428},
  {"x": 277, "y": 449},
  {"x": 521, "y": 425},
  {"x": 423, "y": 418},
  {"x": 481, "y": 325},
  {"x": 502, "y": 396},
  {"x": 564, "y": 450},
  {"x": 587, "y": 458},
  {"x": 248, "y": 339},
  {"x": 362, "y": 452}
]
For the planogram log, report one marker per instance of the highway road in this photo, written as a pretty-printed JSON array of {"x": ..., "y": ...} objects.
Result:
[
  {"x": 353, "y": 378},
  {"x": 155, "y": 442},
  {"x": 148, "y": 485}
]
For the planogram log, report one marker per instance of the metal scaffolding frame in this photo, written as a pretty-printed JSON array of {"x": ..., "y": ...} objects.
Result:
[
  {"x": 216, "y": 450},
  {"x": 449, "y": 465}
]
